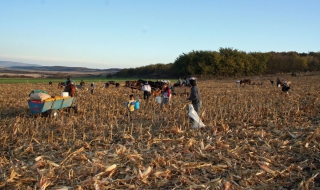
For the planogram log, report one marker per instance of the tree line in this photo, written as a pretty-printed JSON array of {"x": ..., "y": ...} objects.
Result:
[{"x": 228, "y": 62}]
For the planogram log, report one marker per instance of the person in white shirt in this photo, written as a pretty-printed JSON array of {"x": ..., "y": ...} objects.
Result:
[{"x": 146, "y": 91}]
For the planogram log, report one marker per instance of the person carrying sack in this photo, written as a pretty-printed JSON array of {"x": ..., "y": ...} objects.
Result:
[{"x": 195, "y": 96}]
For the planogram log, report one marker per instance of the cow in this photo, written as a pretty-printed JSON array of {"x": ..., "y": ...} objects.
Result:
[
  {"x": 105, "y": 85},
  {"x": 136, "y": 85},
  {"x": 112, "y": 82},
  {"x": 279, "y": 82},
  {"x": 245, "y": 81},
  {"x": 61, "y": 84},
  {"x": 117, "y": 85},
  {"x": 130, "y": 83},
  {"x": 50, "y": 83},
  {"x": 82, "y": 83},
  {"x": 285, "y": 87},
  {"x": 272, "y": 82},
  {"x": 154, "y": 85}
]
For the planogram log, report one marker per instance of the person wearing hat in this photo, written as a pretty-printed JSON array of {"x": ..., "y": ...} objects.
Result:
[
  {"x": 146, "y": 88},
  {"x": 71, "y": 89},
  {"x": 195, "y": 96}
]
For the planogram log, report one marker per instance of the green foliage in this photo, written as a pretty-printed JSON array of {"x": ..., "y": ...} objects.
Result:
[{"x": 228, "y": 62}]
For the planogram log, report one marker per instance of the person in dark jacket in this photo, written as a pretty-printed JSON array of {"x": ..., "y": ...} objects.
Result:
[{"x": 195, "y": 96}]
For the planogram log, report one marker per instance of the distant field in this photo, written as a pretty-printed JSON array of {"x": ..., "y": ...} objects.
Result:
[{"x": 77, "y": 80}]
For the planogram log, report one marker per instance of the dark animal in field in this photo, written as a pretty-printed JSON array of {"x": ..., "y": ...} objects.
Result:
[
  {"x": 112, "y": 82},
  {"x": 245, "y": 81},
  {"x": 50, "y": 83},
  {"x": 285, "y": 88},
  {"x": 279, "y": 82},
  {"x": 130, "y": 83},
  {"x": 293, "y": 74},
  {"x": 156, "y": 84},
  {"x": 117, "y": 85},
  {"x": 105, "y": 85},
  {"x": 61, "y": 84},
  {"x": 272, "y": 82},
  {"x": 82, "y": 83}
]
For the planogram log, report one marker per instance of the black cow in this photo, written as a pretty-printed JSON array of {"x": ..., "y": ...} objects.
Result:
[
  {"x": 82, "y": 83},
  {"x": 50, "y": 83},
  {"x": 117, "y": 84},
  {"x": 61, "y": 84},
  {"x": 245, "y": 81},
  {"x": 106, "y": 85}
]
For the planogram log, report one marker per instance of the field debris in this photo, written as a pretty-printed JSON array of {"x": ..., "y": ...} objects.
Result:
[{"x": 255, "y": 138}]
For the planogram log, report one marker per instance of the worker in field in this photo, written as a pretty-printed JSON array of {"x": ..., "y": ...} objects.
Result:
[
  {"x": 166, "y": 95},
  {"x": 92, "y": 87},
  {"x": 71, "y": 89},
  {"x": 68, "y": 81},
  {"x": 195, "y": 96},
  {"x": 146, "y": 88}
]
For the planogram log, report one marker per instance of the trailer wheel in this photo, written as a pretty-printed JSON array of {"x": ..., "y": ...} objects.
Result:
[{"x": 54, "y": 113}]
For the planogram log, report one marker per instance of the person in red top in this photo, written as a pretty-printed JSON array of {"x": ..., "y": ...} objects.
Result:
[{"x": 166, "y": 95}]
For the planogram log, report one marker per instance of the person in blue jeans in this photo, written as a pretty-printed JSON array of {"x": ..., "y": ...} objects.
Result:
[{"x": 195, "y": 96}]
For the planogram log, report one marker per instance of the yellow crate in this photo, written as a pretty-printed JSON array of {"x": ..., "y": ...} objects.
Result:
[
  {"x": 49, "y": 99},
  {"x": 58, "y": 97}
]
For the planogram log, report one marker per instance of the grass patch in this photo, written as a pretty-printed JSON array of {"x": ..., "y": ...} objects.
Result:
[{"x": 77, "y": 80}]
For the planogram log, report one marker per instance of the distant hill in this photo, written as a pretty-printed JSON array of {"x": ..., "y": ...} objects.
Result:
[
  {"x": 34, "y": 67},
  {"x": 14, "y": 64},
  {"x": 61, "y": 69}
]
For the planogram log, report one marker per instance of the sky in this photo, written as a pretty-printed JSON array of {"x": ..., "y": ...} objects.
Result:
[{"x": 107, "y": 34}]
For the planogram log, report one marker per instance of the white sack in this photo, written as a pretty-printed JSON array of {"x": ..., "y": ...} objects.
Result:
[
  {"x": 39, "y": 96},
  {"x": 197, "y": 121}
]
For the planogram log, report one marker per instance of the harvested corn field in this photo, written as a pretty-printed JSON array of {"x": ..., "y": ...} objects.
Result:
[{"x": 256, "y": 137}]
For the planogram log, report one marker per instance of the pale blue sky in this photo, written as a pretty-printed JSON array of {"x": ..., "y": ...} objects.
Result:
[{"x": 133, "y": 33}]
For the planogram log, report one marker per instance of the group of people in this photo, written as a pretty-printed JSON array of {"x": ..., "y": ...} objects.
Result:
[
  {"x": 184, "y": 82},
  {"x": 195, "y": 97}
]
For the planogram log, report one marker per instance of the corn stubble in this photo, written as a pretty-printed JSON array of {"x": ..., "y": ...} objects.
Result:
[{"x": 256, "y": 138}]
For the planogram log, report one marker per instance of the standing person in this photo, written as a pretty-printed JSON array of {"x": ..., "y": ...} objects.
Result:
[
  {"x": 66, "y": 84},
  {"x": 146, "y": 91},
  {"x": 71, "y": 89},
  {"x": 186, "y": 82},
  {"x": 130, "y": 105},
  {"x": 92, "y": 87},
  {"x": 68, "y": 81},
  {"x": 180, "y": 81},
  {"x": 166, "y": 95},
  {"x": 195, "y": 96}
]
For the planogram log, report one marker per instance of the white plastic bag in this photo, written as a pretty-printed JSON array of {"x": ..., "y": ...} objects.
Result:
[{"x": 197, "y": 121}]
